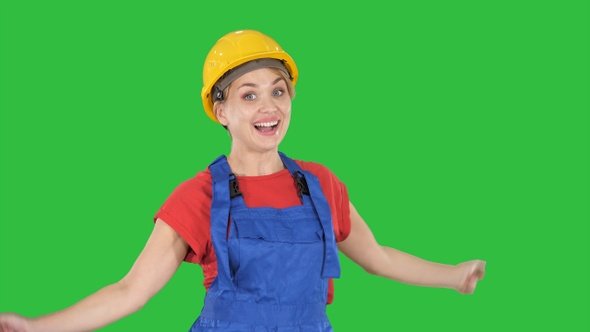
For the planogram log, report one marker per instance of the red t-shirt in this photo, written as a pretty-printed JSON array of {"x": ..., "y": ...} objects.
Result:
[{"x": 187, "y": 210}]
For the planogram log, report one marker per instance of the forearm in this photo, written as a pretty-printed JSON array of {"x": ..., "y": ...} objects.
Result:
[
  {"x": 109, "y": 304},
  {"x": 412, "y": 270},
  {"x": 363, "y": 249}
]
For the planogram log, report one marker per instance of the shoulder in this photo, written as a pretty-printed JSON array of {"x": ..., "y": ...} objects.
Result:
[
  {"x": 323, "y": 173},
  {"x": 197, "y": 186},
  {"x": 200, "y": 180},
  {"x": 336, "y": 194},
  {"x": 187, "y": 211}
]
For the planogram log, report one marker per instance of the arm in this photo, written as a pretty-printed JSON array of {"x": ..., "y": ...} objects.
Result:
[
  {"x": 362, "y": 248},
  {"x": 156, "y": 264}
]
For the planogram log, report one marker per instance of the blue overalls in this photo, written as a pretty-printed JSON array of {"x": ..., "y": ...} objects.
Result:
[{"x": 273, "y": 265}]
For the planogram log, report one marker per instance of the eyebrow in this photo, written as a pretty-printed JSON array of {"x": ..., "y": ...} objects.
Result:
[{"x": 277, "y": 80}]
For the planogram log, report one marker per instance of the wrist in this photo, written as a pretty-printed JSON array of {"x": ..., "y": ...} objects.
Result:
[{"x": 454, "y": 281}]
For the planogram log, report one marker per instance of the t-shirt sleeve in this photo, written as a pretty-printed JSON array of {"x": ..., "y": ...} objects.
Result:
[
  {"x": 187, "y": 211},
  {"x": 337, "y": 196}
]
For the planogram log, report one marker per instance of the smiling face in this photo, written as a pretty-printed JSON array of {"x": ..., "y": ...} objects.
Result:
[{"x": 256, "y": 111}]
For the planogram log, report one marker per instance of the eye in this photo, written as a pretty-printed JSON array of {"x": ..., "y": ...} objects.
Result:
[
  {"x": 278, "y": 92},
  {"x": 249, "y": 96}
]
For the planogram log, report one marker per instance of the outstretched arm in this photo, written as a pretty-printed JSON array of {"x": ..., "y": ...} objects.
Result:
[
  {"x": 362, "y": 248},
  {"x": 156, "y": 264}
]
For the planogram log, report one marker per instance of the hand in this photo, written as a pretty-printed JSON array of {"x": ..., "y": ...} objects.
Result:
[
  {"x": 14, "y": 323},
  {"x": 470, "y": 273}
]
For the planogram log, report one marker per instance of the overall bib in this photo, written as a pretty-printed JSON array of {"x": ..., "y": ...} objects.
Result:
[{"x": 273, "y": 265}]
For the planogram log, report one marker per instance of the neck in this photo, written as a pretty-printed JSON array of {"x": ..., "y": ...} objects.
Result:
[{"x": 255, "y": 163}]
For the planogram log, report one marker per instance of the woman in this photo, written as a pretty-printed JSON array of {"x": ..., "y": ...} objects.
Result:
[{"x": 264, "y": 228}]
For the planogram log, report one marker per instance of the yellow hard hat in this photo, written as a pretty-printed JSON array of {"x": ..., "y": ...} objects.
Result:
[{"x": 247, "y": 49}]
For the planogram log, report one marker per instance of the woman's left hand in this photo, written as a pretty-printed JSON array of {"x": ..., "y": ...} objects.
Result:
[{"x": 470, "y": 273}]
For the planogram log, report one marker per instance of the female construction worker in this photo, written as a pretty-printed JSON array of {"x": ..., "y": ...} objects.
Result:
[{"x": 265, "y": 228}]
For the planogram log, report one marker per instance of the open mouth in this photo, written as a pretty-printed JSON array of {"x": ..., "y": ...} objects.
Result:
[{"x": 266, "y": 127}]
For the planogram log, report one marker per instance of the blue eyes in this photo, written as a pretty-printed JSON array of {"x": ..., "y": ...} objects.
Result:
[{"x": 275, "y": 93}]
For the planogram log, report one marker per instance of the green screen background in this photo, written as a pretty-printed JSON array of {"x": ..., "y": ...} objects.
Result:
[{"x": 461, "y": 129}]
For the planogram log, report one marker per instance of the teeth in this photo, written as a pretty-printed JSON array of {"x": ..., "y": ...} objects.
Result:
[{"x": 266, "y": 124}]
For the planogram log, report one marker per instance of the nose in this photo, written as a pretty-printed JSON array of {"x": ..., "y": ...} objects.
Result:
[{"x": 268, "y": 105}]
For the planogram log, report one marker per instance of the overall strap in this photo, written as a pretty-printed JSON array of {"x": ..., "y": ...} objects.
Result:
[
  {"x": 331, "y": 268},
  {"x": 220, "y": 206}
]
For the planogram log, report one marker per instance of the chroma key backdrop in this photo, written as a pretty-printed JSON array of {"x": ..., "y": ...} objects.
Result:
[{"x": 461, "y": 129}]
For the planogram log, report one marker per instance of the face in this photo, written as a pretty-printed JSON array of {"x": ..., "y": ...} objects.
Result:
[{"x": 256, "y": 111}]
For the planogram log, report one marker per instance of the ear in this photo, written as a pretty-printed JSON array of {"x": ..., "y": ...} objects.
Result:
[{"x": 219, "y": 110}]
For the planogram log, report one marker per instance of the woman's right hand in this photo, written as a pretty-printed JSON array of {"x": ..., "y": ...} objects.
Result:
[{"x": 14, "y": 323}]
